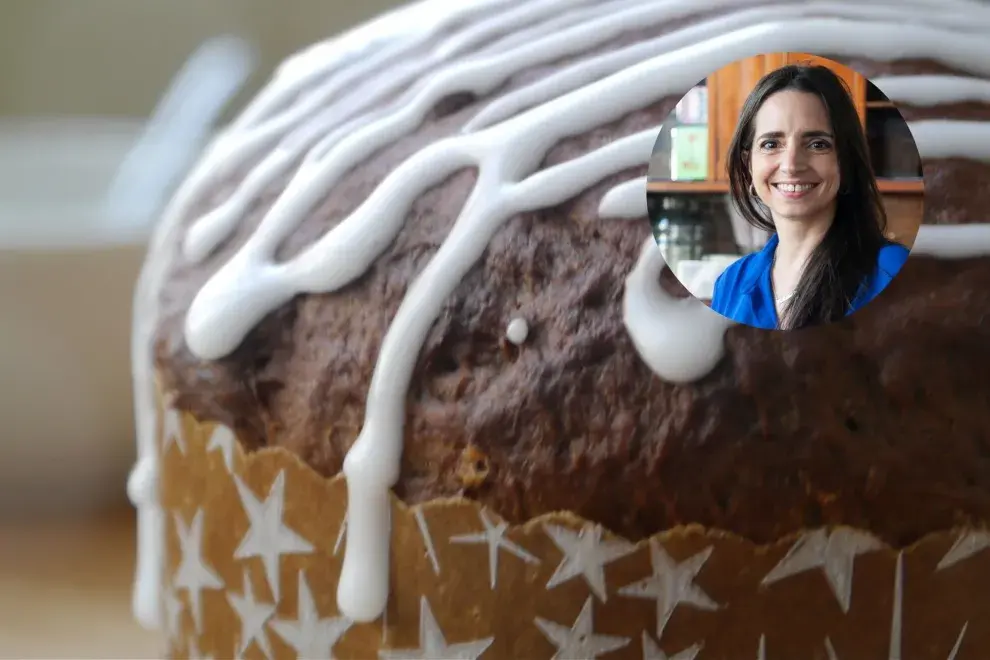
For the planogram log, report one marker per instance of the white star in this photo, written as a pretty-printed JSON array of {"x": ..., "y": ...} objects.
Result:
[
  {"x": 585, "y": 554},
  {"x": 340, "y": 535},
  {"x": 172, "y": 431},
  {"x": 761, "y": 652},
  {"x": 959, "y": 641},
  {"x": 193, "y": 574},
  {"x": 896, "y": 618},
  {"x": 253, "y": 616},
  {"x": 433, "y": 645},
  {"x": 173, "y": 614},
  {"x": 834, "y": 553},
  {"x": 223, "y": 439},
  {"x": 652, "y": 651},
  {"x": 308, "y": 634},
  {"x": 494, "y": 536},
  {"x": 431, "y": 551},
  {"x": 672, "y": 583},
  {"x": 830, "y": 650},
  {"x": 968, "y": 544},
  {"x": 579, "y": 641},
  {"x": 267, "y": 537}
]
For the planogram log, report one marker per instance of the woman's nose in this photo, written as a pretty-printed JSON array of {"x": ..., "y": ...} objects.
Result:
[{"x": 793, "y": 160}]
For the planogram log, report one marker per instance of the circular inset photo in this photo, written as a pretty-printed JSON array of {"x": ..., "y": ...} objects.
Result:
[{"x": 785, "y": 191}]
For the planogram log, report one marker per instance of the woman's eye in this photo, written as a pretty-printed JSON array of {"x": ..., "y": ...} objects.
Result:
[
  {"x": 820, "y": 145},
  {"x": 768, "y": 144}
]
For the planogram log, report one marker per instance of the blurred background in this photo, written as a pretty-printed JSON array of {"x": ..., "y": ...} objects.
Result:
[{"x": 79, "y": 82}]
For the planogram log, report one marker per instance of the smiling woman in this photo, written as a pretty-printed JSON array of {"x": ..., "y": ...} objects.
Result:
[{"x": 799, "y": 168}]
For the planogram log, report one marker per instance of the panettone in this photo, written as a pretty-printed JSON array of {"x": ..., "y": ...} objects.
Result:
[{"x": 424, "y": 248}]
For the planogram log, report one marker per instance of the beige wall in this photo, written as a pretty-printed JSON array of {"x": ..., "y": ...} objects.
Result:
[{"x": 115, "y": 57}]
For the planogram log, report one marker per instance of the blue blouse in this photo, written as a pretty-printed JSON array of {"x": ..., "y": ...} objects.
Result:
[{"x": 744, "y": 294}]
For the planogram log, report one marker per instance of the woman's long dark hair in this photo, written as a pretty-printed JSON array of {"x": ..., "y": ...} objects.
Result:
[{"x": 847, "y": 255}]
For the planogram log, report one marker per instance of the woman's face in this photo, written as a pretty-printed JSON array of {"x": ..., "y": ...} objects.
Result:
[{"x": 794, "y": 165}]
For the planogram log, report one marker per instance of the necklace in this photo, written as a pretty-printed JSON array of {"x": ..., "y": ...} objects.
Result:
[{"x": 778, "y": 299}]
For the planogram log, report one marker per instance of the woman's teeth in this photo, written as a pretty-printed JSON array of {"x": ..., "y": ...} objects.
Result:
[{"x": 794, "y": 188}]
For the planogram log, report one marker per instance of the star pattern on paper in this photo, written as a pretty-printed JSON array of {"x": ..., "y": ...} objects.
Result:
[
  {"x": 585, "y": 554},
  {"x": 959, "y": 640},
  {"x": 671, "y": 584},
  {"x": 193, "y": 574},
  {"x": 432, "y": 643},
  {"x": 223, "y": 439},
  {"x": 968, "y": 544},
  {"x": 652, "y": 651},
  {"x": 172, "y": 431},
  {"x": 173, "y": 614},
  {"x": 834, "y": 553},
  {"x": 896, "y": 615},
  {"x": 424, "y": 530},
  {"x": 494, "y": 537},
  {"x": 579, "y": 640},
  {"x": 340, "y": 535},
  {"x": 253, "y": 616},
  {"x": 268, "y": 537},
  {"x": 308, "y": 634},
  {"x": 896, "y": 618}
]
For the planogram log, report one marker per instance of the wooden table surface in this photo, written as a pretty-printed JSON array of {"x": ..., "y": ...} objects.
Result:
[{"x": 65, "y": 590}]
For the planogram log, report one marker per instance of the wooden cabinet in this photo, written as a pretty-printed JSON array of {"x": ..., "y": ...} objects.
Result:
[
  {"x": 728, "y": 88},
  {"x": 905, "y": 212}
]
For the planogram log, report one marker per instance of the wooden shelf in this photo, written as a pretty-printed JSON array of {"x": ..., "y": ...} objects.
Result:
[
  {"x": 880, "y": 104},
  {"x": 894, "y": 186},
  {"x": 687, "y": 187},
  {"x": 902, "y": 186}
]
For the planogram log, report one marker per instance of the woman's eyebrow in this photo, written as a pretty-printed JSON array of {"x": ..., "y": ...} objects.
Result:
[{"x": 807, "y": 134}]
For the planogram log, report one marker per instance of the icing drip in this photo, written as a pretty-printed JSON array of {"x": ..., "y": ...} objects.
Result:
[
  {"x": 577, "y": 75},
  {"x": 517, "y": 331},
  {"x": 953, "y": 241},
  {"x": 478, "y": 75},
  {"x": 213, "y": 330},
  {"x": 933, "y": 90},
  {"x": 626, "y": 200},
  {"x": 945, "y": 138},
  {"x": 372, "y": 464},
  {"x": 310, "y": 138},
  {"x": 681, "y": 340}
]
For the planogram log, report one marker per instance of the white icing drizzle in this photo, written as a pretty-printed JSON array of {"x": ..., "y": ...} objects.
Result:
[
  {"x": 953, "y": 241},
  {"x": 517, "y": 331},
  {"x": 625, "y": 201},
  {"x": 945, "y": 138},
  {"x": 933, "y": 90},
  {"x": 680, "y": 339}
]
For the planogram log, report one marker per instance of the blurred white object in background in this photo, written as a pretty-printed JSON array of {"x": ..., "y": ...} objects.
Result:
[
  {"x": 69, "y": 259},
  {"x": 178, "y": 130}
]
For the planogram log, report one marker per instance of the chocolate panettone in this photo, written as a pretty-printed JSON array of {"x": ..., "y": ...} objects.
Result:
[{"x": 424, "y": 249}]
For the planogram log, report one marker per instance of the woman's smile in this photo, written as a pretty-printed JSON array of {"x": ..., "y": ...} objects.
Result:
[{"x": 793, "y": 191}]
